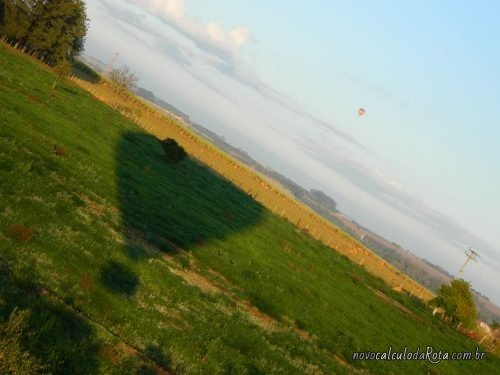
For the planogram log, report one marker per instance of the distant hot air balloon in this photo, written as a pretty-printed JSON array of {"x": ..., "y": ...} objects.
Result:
[{"x": 361, "y": 112}]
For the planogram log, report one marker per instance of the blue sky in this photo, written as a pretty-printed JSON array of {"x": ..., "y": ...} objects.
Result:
[{"x": 283, "y": 80}]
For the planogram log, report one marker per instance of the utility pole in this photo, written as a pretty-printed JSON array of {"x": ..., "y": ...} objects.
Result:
[
  {"x": 111, "y": 64},
  {"x": 471, "y": 255}
]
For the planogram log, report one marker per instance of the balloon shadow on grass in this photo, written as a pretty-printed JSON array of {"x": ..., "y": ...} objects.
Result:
[
  {"x": 174, "y": 205},
  {"x": 170, "y": 205}
]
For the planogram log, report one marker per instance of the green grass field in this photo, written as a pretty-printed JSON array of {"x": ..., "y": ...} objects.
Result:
[{"x": 124, "y": 263}]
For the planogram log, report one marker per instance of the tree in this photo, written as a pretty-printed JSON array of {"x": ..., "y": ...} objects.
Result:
[
  {"x": 62, "y": 70},
  {"x": 15, "y": 19},
  {"x": 54, "y": 29},
  {"x": 123, "y": 78},
  {"x": 324, "y": 200},
  {"x": 457, "y": 300},
  {"x": 58, "y": 28}
]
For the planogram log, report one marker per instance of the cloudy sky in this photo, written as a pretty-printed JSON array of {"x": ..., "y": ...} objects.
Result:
[{"x": 284, "y": 81}]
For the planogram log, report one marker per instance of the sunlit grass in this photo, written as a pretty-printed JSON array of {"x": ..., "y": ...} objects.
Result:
[{"x": 173, "y": 259}]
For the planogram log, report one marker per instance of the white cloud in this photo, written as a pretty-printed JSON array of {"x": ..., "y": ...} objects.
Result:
[
  {"x": 216, "y": 48},
  {"x": 169, "y": 8},
  {"x": 212, "y": 37},
  {"x": 240, "y": 35}
]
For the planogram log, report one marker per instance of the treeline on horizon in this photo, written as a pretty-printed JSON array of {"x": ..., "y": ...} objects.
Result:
[{"x": 51, "y": 30}]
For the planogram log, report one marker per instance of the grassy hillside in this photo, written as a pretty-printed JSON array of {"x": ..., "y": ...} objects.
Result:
[{"x": 114, "y": 261}]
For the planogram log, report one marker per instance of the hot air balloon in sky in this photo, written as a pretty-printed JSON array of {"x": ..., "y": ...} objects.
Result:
[{"x": 361, "y": 112}]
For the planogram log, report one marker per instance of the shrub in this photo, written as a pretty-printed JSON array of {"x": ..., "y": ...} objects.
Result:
[
  {"x": 86, "y": 72},
  {"x": 174, "y": 153}
]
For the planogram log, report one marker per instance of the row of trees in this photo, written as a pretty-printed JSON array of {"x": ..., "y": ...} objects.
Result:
[{"x": 53, "y": 30}]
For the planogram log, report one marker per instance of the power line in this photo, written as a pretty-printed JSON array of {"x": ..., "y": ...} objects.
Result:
[{"x": 471, "y": 255}]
